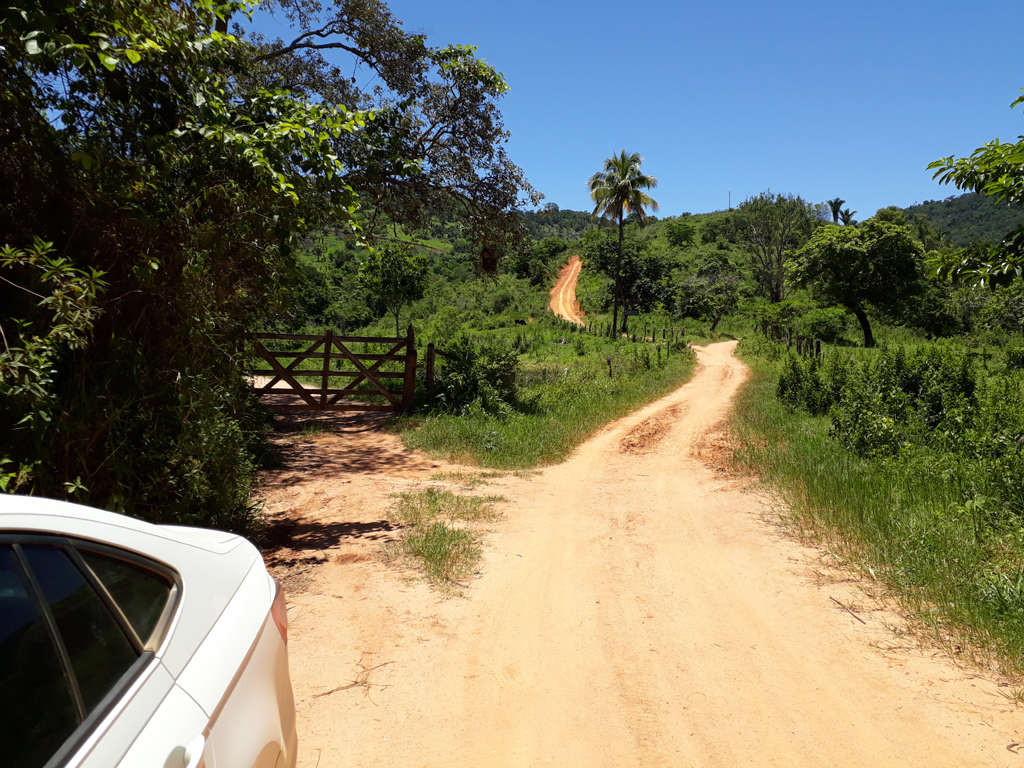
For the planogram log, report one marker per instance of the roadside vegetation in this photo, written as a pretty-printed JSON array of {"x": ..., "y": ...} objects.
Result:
[{"x": 440, "y": 533}]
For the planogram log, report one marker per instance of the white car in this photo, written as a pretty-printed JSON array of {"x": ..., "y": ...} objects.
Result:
[{"x": 129, "y": 644}]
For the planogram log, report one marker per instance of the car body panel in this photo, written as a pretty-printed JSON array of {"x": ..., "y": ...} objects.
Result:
[{"x": 221, "y": 668}]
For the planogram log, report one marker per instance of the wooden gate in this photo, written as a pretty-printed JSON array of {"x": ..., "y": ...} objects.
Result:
[{"x": 282, "y": 382}]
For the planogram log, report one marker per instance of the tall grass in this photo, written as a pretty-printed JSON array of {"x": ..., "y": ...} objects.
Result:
[{"x": 905, "y": 519}]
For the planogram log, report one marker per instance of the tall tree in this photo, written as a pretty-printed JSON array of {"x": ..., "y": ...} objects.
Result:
[
  {"x": 996, "y": 170},
  {"x": 618, "y": 191},
  {"x": 846, "y": 216},
  {"x": 436, "y": 146},
  {"x": 876, "y": 264},
  {"x": 395, "y": 276},
  {"x": 836, "y": 205},
  {"x": 769, "y": 227},
  {"x": 157, "y": 174}
]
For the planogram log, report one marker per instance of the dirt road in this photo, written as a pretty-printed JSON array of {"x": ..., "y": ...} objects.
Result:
[
  {"x": 637, "y": 607},
  {"x": 563, "y": 295}
]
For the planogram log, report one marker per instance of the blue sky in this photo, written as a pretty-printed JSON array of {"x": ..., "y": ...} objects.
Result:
[{"x": 818, "y": 99}]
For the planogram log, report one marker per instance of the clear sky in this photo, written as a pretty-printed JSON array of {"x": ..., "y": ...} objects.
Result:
[{"x": 817, "y": 99}]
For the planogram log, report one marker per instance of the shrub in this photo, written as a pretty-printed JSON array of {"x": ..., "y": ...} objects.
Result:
[
  {"x": 484, "y": 376},
  {"x": 828, "y": 323}
]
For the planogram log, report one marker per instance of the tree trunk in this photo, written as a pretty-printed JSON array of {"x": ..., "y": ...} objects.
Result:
[
  {"x": 619, "y": 271},
  {"x": 398, "y": 328},
  {"x": 714, "y": 324},
  {"x": 869, "y": 340}
]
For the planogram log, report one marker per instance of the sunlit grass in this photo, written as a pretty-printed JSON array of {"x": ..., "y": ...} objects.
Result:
[{"x": 905, "y": 522}]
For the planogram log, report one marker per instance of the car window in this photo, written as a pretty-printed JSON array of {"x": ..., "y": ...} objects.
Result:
[
  {"x": 139, "y": 592},
  {"x": 39, "y": 711},
  {"x": 99, "y": 651}
]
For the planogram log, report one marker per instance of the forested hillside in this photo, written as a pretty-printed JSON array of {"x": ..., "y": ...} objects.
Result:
[{"x": 969, "y": 218}]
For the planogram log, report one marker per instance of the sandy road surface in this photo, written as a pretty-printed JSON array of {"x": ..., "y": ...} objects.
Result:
[
  {"x": 563, "y": 295},
  {"x": 636, "y": 608}
]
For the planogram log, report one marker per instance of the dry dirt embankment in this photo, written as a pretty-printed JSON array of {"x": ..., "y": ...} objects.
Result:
[
  {"x": 636, "y": 607},
  {"x": 563, "y": 295}
]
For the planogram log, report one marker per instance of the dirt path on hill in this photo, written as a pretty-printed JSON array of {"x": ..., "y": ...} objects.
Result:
[
  {"x": 638, "y": 606},
  {"x": 563, "y": 295}
]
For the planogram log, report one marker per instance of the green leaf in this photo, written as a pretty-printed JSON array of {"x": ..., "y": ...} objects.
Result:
[
  {"x": 108, "y": 61},
  {"x": 133, "y": 56}
]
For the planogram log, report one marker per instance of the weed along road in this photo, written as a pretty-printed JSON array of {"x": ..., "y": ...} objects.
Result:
[{"x": 636, "y": 606}]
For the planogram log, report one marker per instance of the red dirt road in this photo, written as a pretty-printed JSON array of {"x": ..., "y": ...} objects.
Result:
[
  {"x": 636, "y": 607},
  {"x": 563, "y": 295}
]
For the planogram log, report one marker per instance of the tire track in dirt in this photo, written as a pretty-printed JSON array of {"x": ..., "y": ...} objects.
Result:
[{"x": 563, "y": 295}]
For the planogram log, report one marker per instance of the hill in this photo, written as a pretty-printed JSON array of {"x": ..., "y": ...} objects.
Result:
[{"x": 970, "y": 217}]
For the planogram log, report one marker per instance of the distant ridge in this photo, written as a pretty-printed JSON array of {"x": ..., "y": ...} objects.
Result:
[{"x": 970, "y": 217}]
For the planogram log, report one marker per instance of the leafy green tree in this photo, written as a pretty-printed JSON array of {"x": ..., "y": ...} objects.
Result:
[
  {"x": 876, "y": 264},
  {"x": 133, "y": 146},
  {"x": 642, "y": 274},
  {"x": 174, "y": 168},
  {"x": 436, "y": 145},
  {"x": 769, "y": 227},
  {"x": 836, "y": 206},
  {"x": 618, "y": 192},
  {"x": 395, "y": 275},
  {"x": 711, "y": 293},
  {"x": 680, "y": 233},
  {"x": 846, "y": 217},
  {"x": 996, "y": 170},
  {"x": 539, "y": 263}
]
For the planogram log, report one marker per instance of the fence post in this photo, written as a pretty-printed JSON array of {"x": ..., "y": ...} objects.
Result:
[
  {"x": 326, "y": 376},
  {"x": 430, "y": 369},
  {"x": 409, "y": 388}
]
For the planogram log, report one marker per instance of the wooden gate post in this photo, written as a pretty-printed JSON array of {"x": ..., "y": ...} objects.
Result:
[
  {"x": 328, "y": 346},
  {"x": 409, "y": 388},
  {"x": 430, "y": 369}
]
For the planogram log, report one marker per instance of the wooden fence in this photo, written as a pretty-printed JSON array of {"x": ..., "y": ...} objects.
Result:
[
  {"x": 808, "y": 346},
  {"x": 336, "y": 360}
]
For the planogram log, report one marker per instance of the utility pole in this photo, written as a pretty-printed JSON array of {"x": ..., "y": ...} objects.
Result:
[{"x": 730, "y": 199}]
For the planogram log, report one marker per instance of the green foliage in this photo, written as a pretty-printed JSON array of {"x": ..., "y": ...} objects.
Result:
[
  {"x": 166, "y": 158},
  {"x": 769, "y": 227},
  {"x": 877, "y": 264},
  {"x": 940, "y": 528},
  {"x": 482, "y": 377},
  {"x": 995, "y": 170},
  {"x": 828, "y": 324},
  {"x": 539, "y": 264},
  {"x": 680, "y": 232},
  {"x": 566, "y": 398},
  {"x": 394, "y": 276},
  {"x": 619, "y": 191},
  {"x": 642, "y": 275},
  {"x": 967, "y": 218},
  {"x": 711, "y": 293}
]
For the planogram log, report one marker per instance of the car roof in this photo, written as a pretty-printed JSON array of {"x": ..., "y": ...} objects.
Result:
[{"x": 34, "y": 513}]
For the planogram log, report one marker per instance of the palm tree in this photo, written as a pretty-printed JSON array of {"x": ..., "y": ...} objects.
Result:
[
  {"x": 836, "y": 205},
  {"x": 618, "y": 192},
  {"x": 847, "y": 217}
]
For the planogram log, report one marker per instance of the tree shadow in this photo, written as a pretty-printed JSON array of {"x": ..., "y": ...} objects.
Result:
[{"x": 285, "y": 541}]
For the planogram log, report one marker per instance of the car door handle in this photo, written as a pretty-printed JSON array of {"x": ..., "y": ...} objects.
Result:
[{"x": 194, "y": 752}]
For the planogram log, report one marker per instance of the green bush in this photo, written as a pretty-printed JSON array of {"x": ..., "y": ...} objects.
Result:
[
  {"x": 828, "y": 323},
  {"x": 483, "y": 376}
]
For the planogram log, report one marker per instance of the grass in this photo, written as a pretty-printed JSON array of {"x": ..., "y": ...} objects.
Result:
[
  {"x": 904, "y": 522},
  {"x": 441, "y": 533},
  {"x": 572, "y": 384}
]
